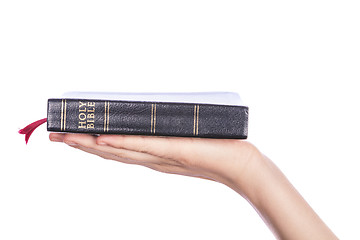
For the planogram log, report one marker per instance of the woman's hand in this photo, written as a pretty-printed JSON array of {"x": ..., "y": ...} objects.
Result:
[
  {"x": 236, "y": 163},
  {"x": 222, "y": 160}
]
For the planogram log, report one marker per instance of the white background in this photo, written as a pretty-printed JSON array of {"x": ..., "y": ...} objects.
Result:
[{"x": 295, "y": 63}]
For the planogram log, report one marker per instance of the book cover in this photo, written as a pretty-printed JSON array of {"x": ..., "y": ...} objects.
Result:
[{"x": 209, "y": 115}]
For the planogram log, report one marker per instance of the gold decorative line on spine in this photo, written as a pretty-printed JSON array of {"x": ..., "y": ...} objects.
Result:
[
  {"x": 108, "y": 117},
  {"x": 194, "y": 131},
  {"x": 152, "y": 118},
  {"x": 105, "y": 118},
  {"x": 197, "y": 120},
  {"x": 62, "y": 115}
]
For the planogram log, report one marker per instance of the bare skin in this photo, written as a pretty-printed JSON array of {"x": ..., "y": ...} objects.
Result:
[{"x": 235, "y": 163}]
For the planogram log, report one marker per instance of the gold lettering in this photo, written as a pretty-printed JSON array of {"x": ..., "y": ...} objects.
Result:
[
  {"x": 91, "y": 104},
  {"x": 82, "y": 107},
  {"x": 82, "y": 125},
  {"x": 82, "y": 116},
  {"x": 82, "y": 104},
  {"x": 86, "y": 115}
]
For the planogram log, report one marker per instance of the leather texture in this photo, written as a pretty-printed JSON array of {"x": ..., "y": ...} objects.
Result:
[{"x": 147, "y": 118}]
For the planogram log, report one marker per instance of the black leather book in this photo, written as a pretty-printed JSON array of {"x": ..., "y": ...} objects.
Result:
[{"x": 192, "y": 117}]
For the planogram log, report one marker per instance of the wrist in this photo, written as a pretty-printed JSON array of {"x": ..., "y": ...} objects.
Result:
[{"x": 246, "y": 171}]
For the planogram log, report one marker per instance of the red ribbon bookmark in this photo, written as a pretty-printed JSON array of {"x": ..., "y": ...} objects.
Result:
[{"x": 29, "y": 129}]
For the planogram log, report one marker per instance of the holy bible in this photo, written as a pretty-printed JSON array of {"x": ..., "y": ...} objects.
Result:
[{"x": 208, "y": 115}]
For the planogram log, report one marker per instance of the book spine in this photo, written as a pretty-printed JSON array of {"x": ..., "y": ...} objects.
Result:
[{"x": 147, "y": 118}]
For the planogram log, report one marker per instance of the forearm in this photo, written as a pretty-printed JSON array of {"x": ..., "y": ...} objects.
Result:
[{"x": 279, "y": 204}]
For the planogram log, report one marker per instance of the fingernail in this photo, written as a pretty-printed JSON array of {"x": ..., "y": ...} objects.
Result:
[{"x": 55, "y": 139}]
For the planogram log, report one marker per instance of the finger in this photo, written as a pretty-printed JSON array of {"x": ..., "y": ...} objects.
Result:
[
  {"x": 189, "y": 152},
  {"x": 105, "y": 155},
  {"x": 89, "y": 143},
  {"x": 165, "y": 168},
  {"x": 56, "y": 137},
  {"x": 165, "y": 147}
]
